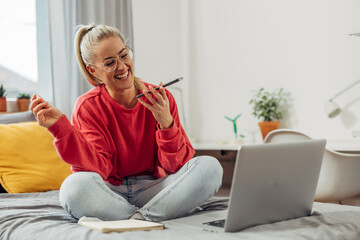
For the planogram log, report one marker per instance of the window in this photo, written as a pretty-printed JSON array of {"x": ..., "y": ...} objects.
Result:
[{"x": 18, "y": 47}]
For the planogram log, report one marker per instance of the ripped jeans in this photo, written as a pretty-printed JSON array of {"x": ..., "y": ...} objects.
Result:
[{"x": 87, "y": 194}]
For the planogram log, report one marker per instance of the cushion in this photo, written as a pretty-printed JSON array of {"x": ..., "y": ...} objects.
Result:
[
  {"x": 17, "y": 117},
  {"x": 28, "y": 159}
]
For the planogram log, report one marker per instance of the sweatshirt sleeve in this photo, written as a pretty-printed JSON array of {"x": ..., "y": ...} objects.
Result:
[
  {"x": 174, "y": 147},
  {"x": 82, "y": 145}
]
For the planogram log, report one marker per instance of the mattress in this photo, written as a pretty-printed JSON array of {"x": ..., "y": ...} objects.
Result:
[{"x": 40, "y": 216}]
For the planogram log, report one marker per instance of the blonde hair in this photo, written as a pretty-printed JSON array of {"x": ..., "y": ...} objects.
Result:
[{"x": 86, "y": 37}]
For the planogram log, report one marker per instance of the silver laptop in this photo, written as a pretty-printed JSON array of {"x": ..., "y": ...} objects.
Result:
[{"x": 271, "y": 182}]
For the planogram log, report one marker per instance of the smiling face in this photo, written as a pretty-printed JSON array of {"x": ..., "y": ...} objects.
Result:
[{"x": 113, "y": 66}]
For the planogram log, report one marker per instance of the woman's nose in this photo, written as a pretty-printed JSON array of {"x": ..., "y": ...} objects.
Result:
[{"x": 120, "y": 64}]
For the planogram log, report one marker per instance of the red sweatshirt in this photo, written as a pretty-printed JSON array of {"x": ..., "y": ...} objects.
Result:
[{"x": 117, "y": 142}]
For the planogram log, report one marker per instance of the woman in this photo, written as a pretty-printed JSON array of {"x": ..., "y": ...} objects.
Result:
[{"x": 130, "y": 157}]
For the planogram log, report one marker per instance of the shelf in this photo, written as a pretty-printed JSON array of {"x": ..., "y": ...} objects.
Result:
[
  {"x": 344, "y": 146},
  {"x": 215, "y": 146},
  {"x": 8, "y": 112}
]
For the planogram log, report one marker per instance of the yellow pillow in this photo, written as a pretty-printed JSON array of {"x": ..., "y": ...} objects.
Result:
[{"x": 28, "y": 159}]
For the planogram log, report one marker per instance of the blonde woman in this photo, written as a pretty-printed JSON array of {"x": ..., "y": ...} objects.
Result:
[{"x": 130, "y": 157}]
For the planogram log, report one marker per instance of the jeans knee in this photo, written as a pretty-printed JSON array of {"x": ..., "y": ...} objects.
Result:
[
  {"x": 75, "y": 190},
  {"x": 212, "y": 169}
]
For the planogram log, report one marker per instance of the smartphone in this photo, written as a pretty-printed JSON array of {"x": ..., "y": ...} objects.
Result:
[{"x": 165, "y": 85}]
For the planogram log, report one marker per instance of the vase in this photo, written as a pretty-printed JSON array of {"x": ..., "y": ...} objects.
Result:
[
  {"x": 2, "y": 104},
  {"x": 267, "y": 127},
  {"x": 23, "y": 104}
]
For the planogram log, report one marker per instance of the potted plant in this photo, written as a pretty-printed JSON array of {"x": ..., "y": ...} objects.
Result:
[
  {"x": 268, "y": 108},
  {"x": 23, "y": 102},
  {"x": 2, "y": 99}
]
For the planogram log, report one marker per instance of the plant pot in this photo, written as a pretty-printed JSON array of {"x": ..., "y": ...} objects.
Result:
[
  {"x": 267, "y": 127},
  {"x": 2, "y": 104},
  {"x": 23, "y": 104}
]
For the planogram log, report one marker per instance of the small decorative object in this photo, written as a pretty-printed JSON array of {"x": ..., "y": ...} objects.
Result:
[
  {"x": 23, "y": 102},
  {"x": 235, "y": 127},
  {"x": 332, "y": 109},
  {"x": 2, "y": 98},
  {"x": 267, "y": 107}
]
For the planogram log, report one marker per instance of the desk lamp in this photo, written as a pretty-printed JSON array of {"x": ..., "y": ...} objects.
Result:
[{"x": 332, "y": 109}]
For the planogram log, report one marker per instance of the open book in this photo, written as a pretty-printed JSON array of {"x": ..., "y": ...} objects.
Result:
[{"x": 119, "y": 225}]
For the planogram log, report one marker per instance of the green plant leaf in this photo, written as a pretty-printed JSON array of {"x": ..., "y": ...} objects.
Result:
[
  {"x": 2, "y": 91},
  {"x": 23, "y": 95},
  {"x": 267, "y": 105}
]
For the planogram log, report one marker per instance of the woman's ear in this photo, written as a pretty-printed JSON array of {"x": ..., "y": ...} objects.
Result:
[{"x": 92, "y": 71}]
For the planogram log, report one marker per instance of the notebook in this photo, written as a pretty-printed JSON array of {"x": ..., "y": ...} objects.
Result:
[{"x": 119, "y": 225}]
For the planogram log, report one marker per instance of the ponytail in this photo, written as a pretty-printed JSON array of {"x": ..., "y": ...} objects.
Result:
[{"x": 81, "y": 61}]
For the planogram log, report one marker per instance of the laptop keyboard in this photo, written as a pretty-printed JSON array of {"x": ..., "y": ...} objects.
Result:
[{"x": 217, "y": 223}]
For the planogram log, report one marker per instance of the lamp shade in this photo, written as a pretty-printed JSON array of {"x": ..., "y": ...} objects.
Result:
[{"x": 331, "y": 109}]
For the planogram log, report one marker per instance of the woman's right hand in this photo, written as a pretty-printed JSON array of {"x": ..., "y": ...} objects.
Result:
[{"x": 45, "y": 113}]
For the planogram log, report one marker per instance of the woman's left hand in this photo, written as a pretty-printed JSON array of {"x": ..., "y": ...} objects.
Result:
[{"x": 159, "y": 106}]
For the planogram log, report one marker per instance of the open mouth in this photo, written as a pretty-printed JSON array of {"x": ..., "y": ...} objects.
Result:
[{"x": 122, "y": 76}]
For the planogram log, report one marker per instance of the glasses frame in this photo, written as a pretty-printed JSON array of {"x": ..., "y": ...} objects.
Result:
[{"x": 118, "y": 58}]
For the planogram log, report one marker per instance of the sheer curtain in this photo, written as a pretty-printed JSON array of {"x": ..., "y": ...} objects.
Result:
[{"x": 63, "y": 18}]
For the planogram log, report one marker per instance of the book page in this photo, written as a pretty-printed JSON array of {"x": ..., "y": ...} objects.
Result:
[{"x": 119, "y": 225}]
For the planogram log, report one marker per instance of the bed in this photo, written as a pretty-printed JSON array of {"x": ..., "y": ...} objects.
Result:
[
  {"x": 31, "y": 174},
  {"x": 40, "y": 216}
]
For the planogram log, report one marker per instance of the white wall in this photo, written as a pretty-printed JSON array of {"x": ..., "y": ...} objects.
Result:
[
  {"x": 160, "y": 40},
  {"x": 225, "y": 49}
]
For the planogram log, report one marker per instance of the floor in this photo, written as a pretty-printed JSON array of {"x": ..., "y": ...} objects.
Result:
[{"x": 223, "y": 192}]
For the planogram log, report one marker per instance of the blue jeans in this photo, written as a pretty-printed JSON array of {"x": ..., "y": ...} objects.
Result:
[{"x": 87, "y": 194}]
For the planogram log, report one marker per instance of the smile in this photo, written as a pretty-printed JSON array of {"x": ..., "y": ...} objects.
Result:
[{"x": 122, "y": 76}]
